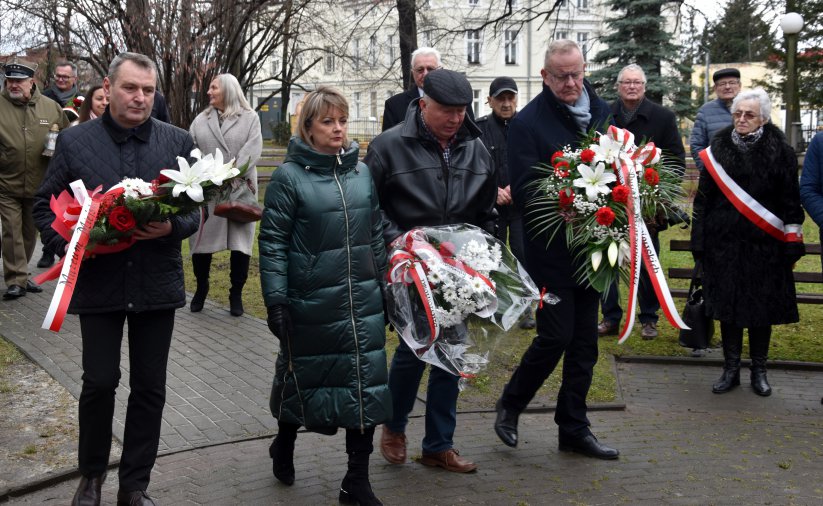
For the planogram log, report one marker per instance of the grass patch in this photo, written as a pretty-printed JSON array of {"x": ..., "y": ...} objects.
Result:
[{"x": 797, "y": 341}]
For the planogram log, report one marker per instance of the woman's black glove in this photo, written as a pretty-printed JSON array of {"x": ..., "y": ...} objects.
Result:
[
  {"x": 793, "y": 252},
  {"x": 279, "y": 320},
  {"x": 384, "y": 295}
]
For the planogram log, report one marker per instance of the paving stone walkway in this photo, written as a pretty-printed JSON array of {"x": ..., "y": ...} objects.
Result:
[{"x": 680, "y": 443}]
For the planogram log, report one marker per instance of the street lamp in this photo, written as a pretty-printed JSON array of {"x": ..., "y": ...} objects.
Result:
[{"x": 791, "y": 24}]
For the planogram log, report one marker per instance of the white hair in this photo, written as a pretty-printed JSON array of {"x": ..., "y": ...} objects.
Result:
[
  {"x": 425, "y": 51},
  {"x": 758, "y": 94},
  {"x": 633, "y": 67},
  {"x": 560, "y": 46}
]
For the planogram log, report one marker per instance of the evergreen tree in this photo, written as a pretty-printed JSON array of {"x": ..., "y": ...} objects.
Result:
[
  {"x": 638, "y": 35},
  {"x": 741, "y": 34}
]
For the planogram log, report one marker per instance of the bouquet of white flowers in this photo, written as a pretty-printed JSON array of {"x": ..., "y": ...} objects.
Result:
[{"x": 440, "y": 277}]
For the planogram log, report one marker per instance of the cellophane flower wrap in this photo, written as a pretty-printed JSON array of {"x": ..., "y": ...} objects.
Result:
[
  {"x": 449, "y": 288},
  {"x": 582, "y": 192}
]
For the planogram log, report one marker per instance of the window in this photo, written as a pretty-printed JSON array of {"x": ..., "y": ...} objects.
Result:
[
  {"x": 583, "y": 42},
  {"x": 372, "y": 59},
  {"x": 373, "y": 104},
  {"x": 473, "y": 46},
  {"x": 275, "y": 67},
  {"x": 510, "y": 47},
  {"x": 328, "y": 60},
  {"x": 583, "y": 5},
  {"x": 355, "y": 53},
  {"x": 560, "y": 34},
  {"x": 474, "y": 3},
  {"x": 476, "y": 103},
  {"x": 355, "y": 106},
  {"x": 390, "y": 52},
  {"x": 427, "y": 38}
]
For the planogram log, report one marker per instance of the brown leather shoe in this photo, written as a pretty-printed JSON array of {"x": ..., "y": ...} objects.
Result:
[
  {"x": 393, "y": 446},
  {"x": 134, "y": 498},
  {"x": 608, "y": 328},
  {"x": 450, "y": 460}
]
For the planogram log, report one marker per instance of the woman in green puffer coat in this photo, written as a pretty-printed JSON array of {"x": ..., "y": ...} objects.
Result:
[{"x": 322, "y": 262}]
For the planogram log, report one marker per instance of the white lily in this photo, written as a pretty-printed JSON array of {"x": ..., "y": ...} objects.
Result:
[
  {"x": 606, "y": 149},
  {"x": 624, "y": 252},
  {"x": 597, "y": 257},
  {"x": 594, "y": 181},
  {"x": 219, "y": 172},
  {"x": 613, "y": 252},
  {"x": 189, "y": 178}
]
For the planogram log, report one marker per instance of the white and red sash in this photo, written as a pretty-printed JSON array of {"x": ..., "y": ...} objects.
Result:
[{"x": 747, "y": 205}]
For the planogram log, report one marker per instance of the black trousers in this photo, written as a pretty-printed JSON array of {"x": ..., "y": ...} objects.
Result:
[
  {"x": 149, "y": 341},
  {"x": 568, "y": 327}
]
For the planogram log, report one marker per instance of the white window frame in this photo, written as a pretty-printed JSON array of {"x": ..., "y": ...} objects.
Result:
[
  {"x": 583, "y": 42},
  {"x": 474, "y": 47},
  {"x": 355, "y": 52},
  {"x": 371, "y": 60},
  {"x": 356, "y": 101},
  {"x": 328, "y": 60},
  {"x": 511, "y": 47}
]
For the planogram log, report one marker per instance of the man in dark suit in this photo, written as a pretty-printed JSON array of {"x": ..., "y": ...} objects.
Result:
[
  {"x": 648, "y": 122},
  {"x": 424, "y": 60}
]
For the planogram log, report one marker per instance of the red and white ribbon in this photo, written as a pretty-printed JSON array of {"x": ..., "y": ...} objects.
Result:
[
  {"x": 640, "y": 243},
  {"x": 753, "y": 210}
]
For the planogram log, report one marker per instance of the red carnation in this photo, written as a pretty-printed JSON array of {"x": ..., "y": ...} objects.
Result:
[
  {"x": 620, "y": 193},
  {"x": 604, "y": 216},
  {"x": 566, "y": 198},
  {"x": 559, "y": 168},
  {"x": 651, "y": 176},
  {"x": 556, "y": 155},
  {"x": 587, "y": 155},
  {"x": 122, "y": 219},
  {"x": 163, "y": 179}
]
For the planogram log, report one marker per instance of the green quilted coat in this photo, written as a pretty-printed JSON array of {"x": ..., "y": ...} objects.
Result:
[{"x": 322, "y": 254}]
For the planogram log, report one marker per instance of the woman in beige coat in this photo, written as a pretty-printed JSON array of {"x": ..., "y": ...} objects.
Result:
[{"x": 230, "y": 125}]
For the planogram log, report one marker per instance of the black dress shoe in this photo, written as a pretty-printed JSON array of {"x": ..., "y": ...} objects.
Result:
[
  {"x": 47, "y": 260},
  {"x": 33, "y": 287},
  {"x": 134, "y": 498},
  {"x": 505, "y": 425},
  {"x": 88, "y": 492},
  {"x": 589, "y": 446},
  {"x": 13, "y": 292}
]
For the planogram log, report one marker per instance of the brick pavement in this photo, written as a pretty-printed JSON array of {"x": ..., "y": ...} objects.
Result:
[{"x": 680, "y": 443}]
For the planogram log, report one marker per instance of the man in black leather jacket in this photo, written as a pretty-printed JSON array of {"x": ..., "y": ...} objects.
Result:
[
  {"x": 142, "y": 284},
  {"x": 432, "y": 170}
]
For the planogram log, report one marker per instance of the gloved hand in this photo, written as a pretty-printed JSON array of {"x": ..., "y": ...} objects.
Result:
[
  {"x": 384, "y": 295},
  {"x": 279, "y": 320},
  {"x": 793, "y": 252}
]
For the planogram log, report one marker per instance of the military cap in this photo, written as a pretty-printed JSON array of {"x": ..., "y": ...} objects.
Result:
[
  {"x": 501, "y": 84},
  {"x": 19, "y": 70},
  {"x": 448, "y": 87}
]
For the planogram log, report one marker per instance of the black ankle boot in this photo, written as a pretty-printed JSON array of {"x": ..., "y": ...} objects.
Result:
[
  {"x": 238, "y": 274},
  {"x": 732, "y": 344},
  {"x": 356, "y": 488},
  {"x": 759, "y": 340},
  {"x": 281, "y": 452},
  {"x": 201, "y": 264},
  {"x": 760, "y": 384}
]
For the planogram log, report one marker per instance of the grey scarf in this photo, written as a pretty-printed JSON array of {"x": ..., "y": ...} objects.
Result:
[
  {"x": 744, "y": 142},
  {"x": 63, "y": 96},
  {"x": 581, "y": 110}
]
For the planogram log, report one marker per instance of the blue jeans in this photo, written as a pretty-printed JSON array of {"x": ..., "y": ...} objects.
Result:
[
  {"x": 441, "y": 399},
  {"x": 646, "y": 298}
]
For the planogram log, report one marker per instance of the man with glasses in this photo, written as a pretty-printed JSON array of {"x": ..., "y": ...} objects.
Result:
[
  {"x": 655, "y": 123},
  {"x": 560, "y": 116},
  {"x": 424, "y": 60},
  {"x": 26, "y": 117},
  {"x": 715, "y": 115}
]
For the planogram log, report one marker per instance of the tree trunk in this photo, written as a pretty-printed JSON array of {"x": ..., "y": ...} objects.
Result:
[{"x": 407, "y": 29}]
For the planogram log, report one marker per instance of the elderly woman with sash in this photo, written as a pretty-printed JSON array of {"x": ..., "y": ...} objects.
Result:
[{"x": 747, "y": 235}]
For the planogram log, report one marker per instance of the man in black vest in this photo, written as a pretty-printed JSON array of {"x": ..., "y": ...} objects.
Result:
[{"x": 648, "y": 122}]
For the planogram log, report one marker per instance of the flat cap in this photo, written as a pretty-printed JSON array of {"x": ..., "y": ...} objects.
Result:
[
  {"x": 448, "y": 87},
  {"x": 501, "y": 84},
  {"x": 19, "y": 69},
  {"x": 729, "y": 72}
]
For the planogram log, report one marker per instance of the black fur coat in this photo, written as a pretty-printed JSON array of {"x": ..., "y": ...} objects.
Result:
[{"x": 747, "y": 274}]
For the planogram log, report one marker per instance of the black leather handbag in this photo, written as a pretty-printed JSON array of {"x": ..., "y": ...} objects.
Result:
[{"x": 694, "y": 315}]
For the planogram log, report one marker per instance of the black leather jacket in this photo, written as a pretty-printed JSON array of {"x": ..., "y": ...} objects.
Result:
[
  {"x": 408, "y": 170},
  {"x": 495, "y": 136}
]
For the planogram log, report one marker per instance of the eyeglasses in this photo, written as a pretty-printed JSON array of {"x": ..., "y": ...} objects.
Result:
[
  {"x": 420, "y": 70},
  {"x": 562, "y": 78},
  {"x": 747, "y": 115},
  {"x": 632, "y": 83},
  {"x": 62, "y": 77},
  {"x": 727, "y": 84}
]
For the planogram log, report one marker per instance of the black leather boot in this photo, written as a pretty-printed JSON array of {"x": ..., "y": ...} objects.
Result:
[
  {"x": 238, "y": 275},
  {"x": 201, "y": 265},
  {"x": 88, "y": 491},
  {"x": 356, "y": 488},
  {"x": 732, "y": 344},
  {"x": 759, "y": 340},
  {"x": 281, "y": 452}
]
